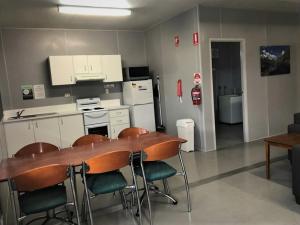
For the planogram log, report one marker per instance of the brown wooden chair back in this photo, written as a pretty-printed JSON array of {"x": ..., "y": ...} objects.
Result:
[
  {"x": 132, "y": 132},
  {"x": 41, "y": 177},
  {"x": 109, "y": 162},
  {"x": 36, "y": 148},
  {"x": 89, "y": 139},
  {"x": 162, "y": 151}
]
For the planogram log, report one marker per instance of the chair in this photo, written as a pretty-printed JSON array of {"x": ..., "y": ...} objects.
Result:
[
  {"x": 132, "y": 132},
  {"x": 42, "y": 190},
  {"x": 152, "y": 169},
  {"x": 101, "y": 175},
  {"x": 294, "y": 128},
  {"x": 36, "y": 148},
  {"x": 88, "y": 139}
]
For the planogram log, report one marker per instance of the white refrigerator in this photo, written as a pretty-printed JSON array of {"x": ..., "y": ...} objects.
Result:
[{"x": 139, "y": 96}]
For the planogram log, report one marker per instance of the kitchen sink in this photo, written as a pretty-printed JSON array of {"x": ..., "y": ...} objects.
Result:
[{"x": 30, "y": 116}]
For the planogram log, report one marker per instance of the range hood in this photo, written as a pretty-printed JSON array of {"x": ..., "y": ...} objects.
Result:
[{"x": 89, "y": 77}]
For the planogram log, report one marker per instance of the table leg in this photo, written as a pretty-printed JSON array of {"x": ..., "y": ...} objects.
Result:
[{"x": 267, "y": 148}]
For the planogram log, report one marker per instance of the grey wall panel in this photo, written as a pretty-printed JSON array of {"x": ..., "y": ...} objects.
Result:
[
  {"x": 177, "y": 63},
  {"x": 91, "y": 42},
  {"x": 26, "y": 52},
  {"x": 132, "y": 48}
]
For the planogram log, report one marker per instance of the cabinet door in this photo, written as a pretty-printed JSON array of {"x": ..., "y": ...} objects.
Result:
[
  {"x": 18, "y": 134},
  {"x": 71, "y": 128},
  {"x": 112, "y": 68},
  {"x": 47, "y": 130},
  {"x": 94, "y": 64},
  {"x": 116, "y": 129},
  {"x": 61, "y": 68},
  {"x": 80, "y": 64}
]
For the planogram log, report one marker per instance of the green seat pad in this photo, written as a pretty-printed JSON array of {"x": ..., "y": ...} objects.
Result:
[
  {"x": 43, "y": 199},
  {"x": 156, "y": 170},
  {"x": 106, "y": 182}
]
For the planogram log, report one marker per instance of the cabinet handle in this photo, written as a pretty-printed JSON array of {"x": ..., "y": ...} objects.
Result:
[
  {"x": 91, "y": 68},
  {"x": 36, "y": 125}
]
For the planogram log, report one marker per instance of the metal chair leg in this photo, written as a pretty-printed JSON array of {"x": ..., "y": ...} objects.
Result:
[
  {"x": 136, "y": 192},
  {"x": 88, "y": 200},
  {"x": 74, "y": 194},
  {"x": 166, "y": 186},
  {"x": 83, "y": 208},
  {"x": 123, "y": 199},
  {"x": 12, "y": 198},
  {"x": 147, "y": 191},
  {"x": 187, "y": 188}
]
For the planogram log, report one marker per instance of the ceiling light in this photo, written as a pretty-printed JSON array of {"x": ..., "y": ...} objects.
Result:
[
  {"x": 92, "y": 11},
  {"x": 120, "y": 4}
]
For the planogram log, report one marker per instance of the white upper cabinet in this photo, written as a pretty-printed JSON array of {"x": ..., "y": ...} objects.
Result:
[
  {"x": 80, "y": 63},
  {"x": 66, "y": 70},
  {"x": 62, "y": 72},
  {"x": 94, "y": 64},
  {"x": 112, "y": 68}
]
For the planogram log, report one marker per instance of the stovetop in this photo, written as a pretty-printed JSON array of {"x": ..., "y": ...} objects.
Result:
[{"x": 89, "y": 105}]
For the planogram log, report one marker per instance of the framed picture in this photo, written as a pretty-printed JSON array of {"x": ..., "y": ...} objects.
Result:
[{"x": 275, "y": 60}]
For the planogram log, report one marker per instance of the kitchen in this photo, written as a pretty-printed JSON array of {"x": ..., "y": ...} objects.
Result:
[{"x": 66, "y": 76}]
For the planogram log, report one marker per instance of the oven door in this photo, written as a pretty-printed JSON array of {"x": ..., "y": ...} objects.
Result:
[{"x": 101, "y": 129}]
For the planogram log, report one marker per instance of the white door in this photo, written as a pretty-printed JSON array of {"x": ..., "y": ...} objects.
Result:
[
  {"x": 116, "y": 129},
  {"x": 18, "y": 134},
  {"x": 62, "y": 71},
  {"x": 71, "y": 128},
  {"x": 143, "y": 116},
  {"x": 47, "y": 130},
  {"x": 112, "y": 68},
  {"x": 94, "y": 64},
  {"x": 80, "y": 64}
]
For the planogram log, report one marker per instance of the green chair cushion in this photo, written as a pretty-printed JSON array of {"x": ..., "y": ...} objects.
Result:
[
  {"x": 156, "y": 170},
  {"x": 106, "y": 182},
  {"x": 43, "y": 199}
]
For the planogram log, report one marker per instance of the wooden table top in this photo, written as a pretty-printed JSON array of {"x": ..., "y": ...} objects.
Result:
[
  {"x": 76, "y": 155},
  {"x": 284, "y": 140}
]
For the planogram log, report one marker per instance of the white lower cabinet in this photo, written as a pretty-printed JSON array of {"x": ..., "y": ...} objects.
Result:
[
  {"x": 60, "y": 131},
  {"x": 71, "y": 128},
  {"x": 46, "y": 130},
  {"x": 119, "y": 120},
  {"x": 18, "y": 134}
]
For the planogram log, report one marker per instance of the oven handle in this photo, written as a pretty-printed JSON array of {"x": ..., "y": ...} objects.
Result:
[{"x": 95, "y": 117}]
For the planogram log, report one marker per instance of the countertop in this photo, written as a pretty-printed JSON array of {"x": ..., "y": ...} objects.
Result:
[{"x": 49, "y": 112}]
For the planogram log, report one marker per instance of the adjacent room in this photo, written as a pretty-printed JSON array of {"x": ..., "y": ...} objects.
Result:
[
  {"x": 149, "y": 112},
  {"x": 227, "y": 86}
]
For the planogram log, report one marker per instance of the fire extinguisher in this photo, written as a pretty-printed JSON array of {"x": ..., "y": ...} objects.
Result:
[
  {"x": 196, "y": 95},
  {"x": 179, "y": 90}
]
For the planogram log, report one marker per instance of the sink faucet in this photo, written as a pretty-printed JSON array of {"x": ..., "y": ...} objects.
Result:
[{"x": 19, "y": 113}]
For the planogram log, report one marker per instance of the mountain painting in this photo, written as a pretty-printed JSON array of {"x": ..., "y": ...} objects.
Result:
[{"x": 275, "y": 60}]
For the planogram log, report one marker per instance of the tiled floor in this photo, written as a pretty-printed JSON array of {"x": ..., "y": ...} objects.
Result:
[
  {"x": 229, "y": 135},
  {"x": 227, "y": 187}
]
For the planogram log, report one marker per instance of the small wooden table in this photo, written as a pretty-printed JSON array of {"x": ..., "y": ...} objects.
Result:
[{"x": 286, "y": 141}]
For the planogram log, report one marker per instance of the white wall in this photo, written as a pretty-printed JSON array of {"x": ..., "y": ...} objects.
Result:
[{"x": 271, "y": 100}]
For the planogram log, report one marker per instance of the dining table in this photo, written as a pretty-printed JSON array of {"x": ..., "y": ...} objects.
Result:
[{"x": 75, "y": 156}]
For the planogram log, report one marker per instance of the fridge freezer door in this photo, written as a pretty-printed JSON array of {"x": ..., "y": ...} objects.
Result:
[
  {"x": 137, "y": 92},
  {"x": 143, "y": 116}
]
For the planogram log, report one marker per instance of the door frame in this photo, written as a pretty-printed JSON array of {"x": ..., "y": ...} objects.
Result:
[{"x": 243, "y": 81}]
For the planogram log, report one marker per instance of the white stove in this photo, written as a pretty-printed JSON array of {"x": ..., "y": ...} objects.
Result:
[{"x": 96, "y": 120}]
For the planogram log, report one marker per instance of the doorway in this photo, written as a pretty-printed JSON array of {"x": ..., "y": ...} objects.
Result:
[{"x": 226, "y": 63}]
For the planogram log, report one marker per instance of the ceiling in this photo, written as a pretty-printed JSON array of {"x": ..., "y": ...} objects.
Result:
[{"x": 44, "y": 13}]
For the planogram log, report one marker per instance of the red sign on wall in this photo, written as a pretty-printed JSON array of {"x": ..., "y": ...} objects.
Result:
[
  {"x": 195, "y": 38},
  {"x": 197, "y": 78},
  {"x": 176, "y": 41}
]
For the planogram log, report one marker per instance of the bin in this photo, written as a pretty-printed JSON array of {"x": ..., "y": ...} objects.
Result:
[{"x": 185, "y": 130}]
